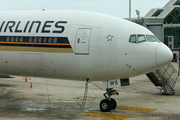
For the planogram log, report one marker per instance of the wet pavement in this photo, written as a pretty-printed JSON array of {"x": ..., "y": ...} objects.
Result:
[{"x": 52, "y": 99}]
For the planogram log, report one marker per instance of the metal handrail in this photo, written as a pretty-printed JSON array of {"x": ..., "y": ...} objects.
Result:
[{"x": 163, "y": 76}]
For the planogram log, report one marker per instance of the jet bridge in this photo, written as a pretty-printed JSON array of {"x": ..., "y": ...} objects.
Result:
[{"x": 164, "y": 78}]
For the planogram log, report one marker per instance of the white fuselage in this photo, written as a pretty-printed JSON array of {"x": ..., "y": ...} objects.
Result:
[{"x": 91, "y": 45}]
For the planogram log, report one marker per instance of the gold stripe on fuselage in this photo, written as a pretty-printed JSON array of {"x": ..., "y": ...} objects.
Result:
[
  {"x": 29, "y": 43},
  {"x": 36, "y": 49}
]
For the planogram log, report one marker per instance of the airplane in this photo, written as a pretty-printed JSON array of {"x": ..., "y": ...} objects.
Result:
[{"x": 78, "y": 45}]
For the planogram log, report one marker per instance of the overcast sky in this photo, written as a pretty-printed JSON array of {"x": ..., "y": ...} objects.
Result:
[{"x": 119, "y": 8}]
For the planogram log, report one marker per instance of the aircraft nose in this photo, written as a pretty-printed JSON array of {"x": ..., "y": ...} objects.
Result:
[{"x": 163, "y": 55}]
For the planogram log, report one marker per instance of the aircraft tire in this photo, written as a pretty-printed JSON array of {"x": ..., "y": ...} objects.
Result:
[
  {"x": 105, "y": 105},
  {"x": 114, "y": 104}
]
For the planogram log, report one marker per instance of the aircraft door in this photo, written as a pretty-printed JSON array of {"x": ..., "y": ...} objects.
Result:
[{"x": 82, "y": 41}]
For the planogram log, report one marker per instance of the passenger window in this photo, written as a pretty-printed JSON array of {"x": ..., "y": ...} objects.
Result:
[
  {"x": 132, "y": 39},
  {"x": 151, "y": 38},
  {"x": 141, "y": 38}
]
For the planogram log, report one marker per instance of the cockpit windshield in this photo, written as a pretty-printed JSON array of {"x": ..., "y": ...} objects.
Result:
[
  {"x": 142, "y": 38},
  {"x": 152, "y": 38}
]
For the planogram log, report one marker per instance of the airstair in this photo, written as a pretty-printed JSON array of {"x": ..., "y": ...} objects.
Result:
[{"x": 164, "y": 78}]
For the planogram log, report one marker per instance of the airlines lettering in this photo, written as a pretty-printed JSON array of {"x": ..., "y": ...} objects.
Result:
[{"x": 13, "y": 26}]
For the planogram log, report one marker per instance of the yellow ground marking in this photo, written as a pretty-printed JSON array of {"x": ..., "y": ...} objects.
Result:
[
  {"x": 106, "y": 115},
  {"x": 135, "y": 109}
]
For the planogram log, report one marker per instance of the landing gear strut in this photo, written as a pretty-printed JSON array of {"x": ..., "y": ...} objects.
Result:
[{"x": 109, "y": 103}]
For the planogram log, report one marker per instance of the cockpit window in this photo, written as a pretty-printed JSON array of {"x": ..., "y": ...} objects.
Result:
[
  {"x": 132, "y": 39},
  {"x": 151, "y": 38},
  {"x": 141, "y": 38}
]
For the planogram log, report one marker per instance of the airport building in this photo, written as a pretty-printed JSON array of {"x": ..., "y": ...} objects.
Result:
[{"x": 164, "y": 23}]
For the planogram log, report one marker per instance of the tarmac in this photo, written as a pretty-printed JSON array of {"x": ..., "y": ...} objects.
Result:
[{"x": 53, "y": 99}]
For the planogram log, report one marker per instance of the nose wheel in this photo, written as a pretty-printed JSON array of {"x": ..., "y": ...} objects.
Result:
[
  {"x": 114, "y": 104},
  {"x": 105, "y": 105},
  {"x": 109, "y": 103}
]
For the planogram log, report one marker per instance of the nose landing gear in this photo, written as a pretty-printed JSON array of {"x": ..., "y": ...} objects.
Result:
[{"x": 109, "y": 103}]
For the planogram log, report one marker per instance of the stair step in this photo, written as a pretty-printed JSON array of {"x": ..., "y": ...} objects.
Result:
[{"x": 159, "y": 78}]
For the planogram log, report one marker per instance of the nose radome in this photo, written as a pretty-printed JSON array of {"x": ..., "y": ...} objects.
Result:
[{"x": 163, "y": 55}]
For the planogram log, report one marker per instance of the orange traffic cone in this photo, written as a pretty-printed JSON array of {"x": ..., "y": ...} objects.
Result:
[
  {"x": 25, "y": 79},
  {"x": 31, "y": 86}
]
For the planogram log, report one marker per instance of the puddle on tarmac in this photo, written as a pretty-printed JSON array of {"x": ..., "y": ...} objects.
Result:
[{"x": 57, "y": 109}]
